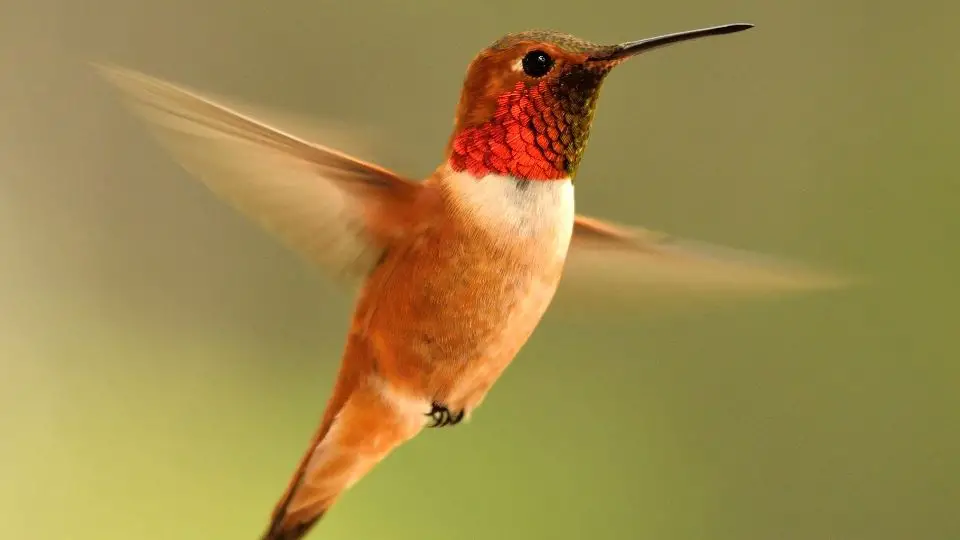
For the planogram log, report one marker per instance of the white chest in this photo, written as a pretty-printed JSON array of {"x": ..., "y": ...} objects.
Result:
[{"x": 536, "y": 213}]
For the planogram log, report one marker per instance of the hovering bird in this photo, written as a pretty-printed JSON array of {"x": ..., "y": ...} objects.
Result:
[{"x": 456, "y": 270}]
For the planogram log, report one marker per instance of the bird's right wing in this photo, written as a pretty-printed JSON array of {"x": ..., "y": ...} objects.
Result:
[{"x": 337, "y": 211}]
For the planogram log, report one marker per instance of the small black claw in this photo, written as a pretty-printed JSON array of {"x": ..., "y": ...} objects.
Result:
[{"x": 443, "y": 417}]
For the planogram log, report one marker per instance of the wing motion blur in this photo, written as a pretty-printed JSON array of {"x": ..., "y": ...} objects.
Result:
[
  {"x": 612, "y": 263},
  {"x": 322, "y": 203}
]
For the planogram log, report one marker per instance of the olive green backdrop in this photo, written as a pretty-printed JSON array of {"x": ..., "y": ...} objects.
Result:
[{"x": 164, "y": 362}]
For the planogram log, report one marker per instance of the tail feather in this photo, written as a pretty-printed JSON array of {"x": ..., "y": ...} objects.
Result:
[{"x": 362, "y": 425}]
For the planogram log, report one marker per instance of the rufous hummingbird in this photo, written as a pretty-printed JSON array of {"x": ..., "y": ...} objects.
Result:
[{"x": 456, "y": 270}]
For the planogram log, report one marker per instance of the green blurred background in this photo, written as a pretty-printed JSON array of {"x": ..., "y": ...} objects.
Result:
[{"x": 164, "y": 362}]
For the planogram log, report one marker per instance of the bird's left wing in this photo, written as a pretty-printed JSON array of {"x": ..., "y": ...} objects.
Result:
[
  {"x": 615, "y": 264},
  {"x": 337, "y": 211}
]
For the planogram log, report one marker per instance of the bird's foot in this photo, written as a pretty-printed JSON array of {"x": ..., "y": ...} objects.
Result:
[{"x": 442, "y": 416}]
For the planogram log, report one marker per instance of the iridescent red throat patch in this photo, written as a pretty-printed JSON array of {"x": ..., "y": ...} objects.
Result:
[{"x": 537, "y": 132}]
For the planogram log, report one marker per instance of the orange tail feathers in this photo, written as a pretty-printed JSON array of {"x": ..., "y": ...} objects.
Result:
[{"x": 359, "y": 429}]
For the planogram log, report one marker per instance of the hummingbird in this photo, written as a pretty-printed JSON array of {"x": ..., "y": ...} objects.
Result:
[{"x": 456, "y": 270}]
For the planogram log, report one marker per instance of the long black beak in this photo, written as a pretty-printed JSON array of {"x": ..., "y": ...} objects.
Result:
[{"x": 631, "y": 48}]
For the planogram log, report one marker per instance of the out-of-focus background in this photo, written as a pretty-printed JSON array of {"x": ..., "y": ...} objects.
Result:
[{"x": 163, "y": 362}]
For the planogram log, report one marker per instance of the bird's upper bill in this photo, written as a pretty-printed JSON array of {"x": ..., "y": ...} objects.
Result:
[{"x": 613, "y": 53}]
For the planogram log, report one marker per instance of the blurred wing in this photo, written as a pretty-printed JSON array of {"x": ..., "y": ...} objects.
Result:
[
  {"x": 333, "y": 209},
  {"x": 615, "y": 264}
]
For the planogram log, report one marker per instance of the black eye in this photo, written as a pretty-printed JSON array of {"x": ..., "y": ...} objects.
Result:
[{"x": 537, "y": 63}]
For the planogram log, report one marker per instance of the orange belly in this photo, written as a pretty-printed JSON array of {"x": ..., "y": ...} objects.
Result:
[{"x": 447, "y": 311}]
